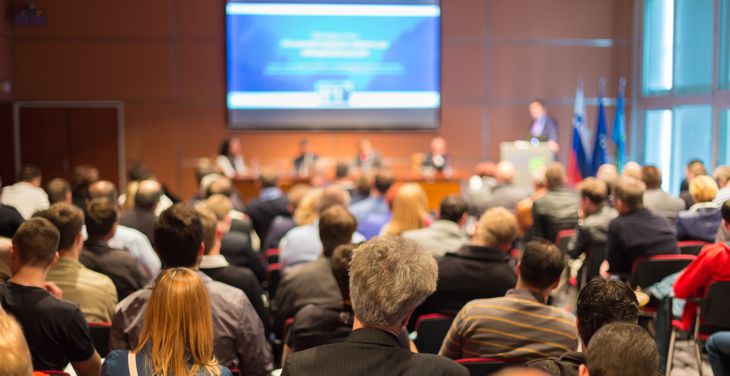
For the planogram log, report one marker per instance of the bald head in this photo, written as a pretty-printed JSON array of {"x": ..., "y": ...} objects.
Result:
[
  {"x": 632, "y": 170},
  {"x": 148, "y": 194},
  {"x": 438, "y": 146},
  {"x": 103, "y": 189},
  {"x": 505, "y": 173}
]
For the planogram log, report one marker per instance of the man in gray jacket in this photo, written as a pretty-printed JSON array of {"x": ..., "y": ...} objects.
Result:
[
  {"x": 446, "y": 233},
  {"x": 655, "y": 199}
]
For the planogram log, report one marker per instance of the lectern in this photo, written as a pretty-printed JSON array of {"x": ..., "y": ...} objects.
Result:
[{"x": 528, "y": 158}]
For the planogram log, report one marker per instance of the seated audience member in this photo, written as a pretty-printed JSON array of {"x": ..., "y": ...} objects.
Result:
[
  {"x": 722, "y": 177},
  {"x": 480, "y": 187},
  {"x": 505, "y": 194},
  {"x": 26, "y": 196},
  {"x": 306, "y": 161},
  {"x": 220, "y": 185},
  {"x": 389, "y": 277},
  {"x": 283, "y": 223},
  {"x": 718, "y": 347},
  {"x": 59, "y": 190},
  {"x": 557, "y": 209},
  {"x": 375, "y": 203},
  {"x": 592, "y": 230},
  {"x": 142, "y": 216},
  {"x": 302, "y": 243},
  {"x": 694, "y": 169},
  {"x": 270, "y": 203},
  {"x": 608, "y": 173},
  {"x": 123, "y": 268},
  {"x": 5, "y": 244},
  {"x": 10, "y": 220},
  {"x": 523, "y": 210},
  {"x": 637, "y": 232},
  {"x": 437, "y": 158},
  {"x": 344, "y": 180},
  {"x": 655, "y": 199},
  {"x": 367, "y": 158},
  {"x": 313, "y": 282},
  {"x": 177, "y": 334},
  {"x": 14, "y": 354},
  {"x": 56, "y": 330},
  {"x": 235, "y": 245},
  {"x": 230, "y": 158},
  {"x": 445, "y": 234},
  {"x": 519, "y": 325},
  {"x": 600, "y": 302},
  {"x": 82, "y": 177},
  {"x": 621, "y": 349},
  {"x": 238, "y": 335},
  {"x": 137, "y": 174},
  {"x": 126, "y": 237},
  {"x": 631, "y": 170},
  {"x": 410, "y": 210},
  {"x": 479, "y": 270},
  {"x": 217, "y": 267},
  {"x": 93, "y": 292},
  {"x": 702, "y": 220}
]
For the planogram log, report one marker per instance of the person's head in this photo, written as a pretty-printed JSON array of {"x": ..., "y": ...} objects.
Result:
[
  {"x": 211, "y": 230},
  {"x": 438, "y": 146},
  {"x": 179, "y": 323},
  {"x": 58, "y": 190},
  {"x": 30, "y": 174},
  {"x": 34, "y": 245},
  {"x": 632, "y": 170},
  {"x": 82, "y": 177},
  {"x": 389, "y": 277},
  {"x": 722, "y": 176},
  {"x": 410, "y": 209},
  {"x": 725, "y": 213},
  {"x": 505, "y": 173},
  {"x": 364, "y": 146},
  {"x": 485, "y": 169},
  {"x": 336, "y": 226},
  {"x": 221, "y": 207},
  {"x": 148, "y": 195},
  {"x": 608, "y": 173},
  {"x": 69, "y": 221},
  {"x": 601, "y": 302},
  {"x": 178, "y": 237},
  {"x": 555, "y": 175},
  {"x": 100, "y": 218},
  {"x": 103, "y": 189},
  {"x": 268, "y": 179},
  {"x": 537, "y": 108},
  {"x": 139, "y": 172},
  {"x": 621, "y": 349},
  {"x": 454, "y": 208},
  {"x": 695, "y": 167},
  {"x": 497, "y": 228},
  {"x": 333, "y": 196},
  {"x": 304, "y": 146},
  {"x": 593, "y": 195},
  {"x": 295, "y": 195},
  {"x": 540, "y": 267},
  {"x": 340, "y": 263},
  {"x": 341, "y": 170},
  {"x": 203, "y": 168},
  {"x": 383, "y": 181},
  {"x": 628, "y": 195},
  {"x": 362, "y": 186},
  {"x": 652, "y": 177},
  {"x": 221, "y": 185},
  {"x": 230, "y": 147},
  {"x": 14, "y": 353},
  {"x": 703, "y": 188},
  {"x": 306, "y": 211}
]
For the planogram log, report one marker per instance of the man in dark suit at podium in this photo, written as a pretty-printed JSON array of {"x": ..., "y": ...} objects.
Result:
[
  {"x": 305, "y": 162},
  {"x": 543, "y": 127}
]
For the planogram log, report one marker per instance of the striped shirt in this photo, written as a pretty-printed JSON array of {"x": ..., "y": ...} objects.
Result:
[
  {"x": 25, "y": 197},
  {"x": 516, "y": 326}
]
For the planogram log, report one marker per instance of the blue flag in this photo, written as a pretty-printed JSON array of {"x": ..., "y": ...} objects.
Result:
[
  {"x": 599, "y": 148},
  {"x": 619, "y": 128}
]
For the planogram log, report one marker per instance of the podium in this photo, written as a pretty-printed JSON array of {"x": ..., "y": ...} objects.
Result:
[{"x": 528, "y": 158}]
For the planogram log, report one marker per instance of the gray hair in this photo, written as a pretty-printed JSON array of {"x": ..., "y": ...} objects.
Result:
[{"x": 389, "y": 277}]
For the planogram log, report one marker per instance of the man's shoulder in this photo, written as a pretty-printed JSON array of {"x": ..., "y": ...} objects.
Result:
[
  {"x": 437, "y": 363},
  {"x": 135, "y": 299},
  {"x": 88, "y": 277}
]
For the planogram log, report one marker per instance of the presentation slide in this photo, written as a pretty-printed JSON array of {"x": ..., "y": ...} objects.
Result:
[{"x": 333, "y": 65}]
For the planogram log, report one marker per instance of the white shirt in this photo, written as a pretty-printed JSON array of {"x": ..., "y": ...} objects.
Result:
[
  {"x": 230, "y": 170},
  {"x": 25, "y": 197}
]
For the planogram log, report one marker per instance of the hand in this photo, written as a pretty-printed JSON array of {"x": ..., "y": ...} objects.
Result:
[
  {"x": 554, "y": 147},
  {"x": 53, "y": 289}
]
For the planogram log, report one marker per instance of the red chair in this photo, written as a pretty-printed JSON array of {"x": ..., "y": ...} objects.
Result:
[
  {"x": 691, "y": 247},
  {"x": 273, "y": 276},
  {"x": 650, "y": 270},
  {"x": 431, "y": 330},
  {"x": 486, "y": 366},
  {"x": 51, "y": 372},
  {"x": 99, "y": 332},
  {"x": 563, "y": 238},
  {"x": 271, "y": 255}
]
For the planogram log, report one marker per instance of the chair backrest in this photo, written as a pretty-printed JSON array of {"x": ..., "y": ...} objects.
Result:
[
  {"x": 432, "y": 329},
  {"x": 99, "y": 332},
  {"x": 691, "y": 247},
  {"x": 716, "y": 305},
  {"x": 650, "y": 270},
  {"x": 273, "y": 276},
  {"x": 271, "y": 255},
  {"x": 563, "y": 238},
  {"x": 51, "y": 372},
  {"x": 485, "y": 366}
]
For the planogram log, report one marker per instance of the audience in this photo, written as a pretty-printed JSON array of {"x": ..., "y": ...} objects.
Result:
[
  {"x": 655, "y": 199},
  {"x": 123, "y": 268},
  {"x": 636, "y": 232},
  {"x": 557, "y": 209},
  {"x": 722, "y": 177},
  {"x": 10, "y": 220},
  {"x": 410, "y": 210},
  {"x": 135, "y": 176},
  {"x": 389, "y": 277},
  {"x": 177, "y": 333},
  {"x": 26, "y": 196},
  {"x": 702, "y": 220},
  {"x": 375, "y": 204},
  {"x": 621, "y": 349},
  {"x": 519, "y": 325},
  {"x": 694, "y": 169},
  {"x": 505, "y": 194},
  {"x": 94, "y": 292},
  {"x": 270, "y": 204},
  {"x": 478, "y": 270},
  {"x": 718, "y": 348},
  {"x": 446, "y": 234},
  {"x": 608, "y": 173},
  {"x": 59, "y": 190},
  {"x": 480, "y": 187},
  {"x": 631, "y": 170},
  {"x": 55, "y": 329},
  {"x": 238, "y": 335},
  {"x": 82, "y": 177},
  {"x": 14, "y": 354},
  {"x": 142, "y": 216},
  {"x": 230, "y": 158},
  {"x": 281, "y": 224}
]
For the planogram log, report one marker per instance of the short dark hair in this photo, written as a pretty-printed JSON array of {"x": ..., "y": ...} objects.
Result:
[
  {"x": 57, "y": 190},
  {"x": 138, "y": 172},
  {"x": 622, "y": 349},
  {"x": 651, "y": 176},
  {"x": 268, "y": 179},
  {"x": 542, "y": 264},
  {"x": 725, "y": 211},
  {"x": 81, "y": 177},
  {"x": 178, "y": 235},
  {"x": 100, "y": 217},
  {"x": 68, "y": 219},
  {"x": 340, "y": 263},
  {"x": 453, "y": 208},
  {"x": 336, "y": 226},
  {"x": 29, "y": 172},
  {"x": 146, "y": 198},
  {"x": 601, "y": 302},
  {"x": 538, "y": 101},
  {"x": 630, "y": 191},
  {"x": 36, "y": 242},
  {"x": 332, "y": 196},
  {"x": 594, "y": 190},
  {"x": 555, "y": 175},
  {"x": 383, "y": 182},
  {"x": 341, "y": 170},
  {"x": 362, "y": 186}
]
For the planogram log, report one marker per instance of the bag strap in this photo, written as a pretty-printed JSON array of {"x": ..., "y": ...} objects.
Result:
[{"x": 132, "y": 363}]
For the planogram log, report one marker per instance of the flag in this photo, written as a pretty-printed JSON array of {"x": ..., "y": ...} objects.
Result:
[
  {"x": 599, "y": 147},
  {"x": 618, "y": 134},
  {"x": 578, "y": 163}
]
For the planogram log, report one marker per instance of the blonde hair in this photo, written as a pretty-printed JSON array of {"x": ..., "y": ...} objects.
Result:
[
  {"x": 703, "y": 188},
  {"x": 306, "y": 212},
  {"x": 179, "y": 323},
  {"x": 410, "y": 210},
  {"x": 14, "y": 353},
  {"x": 129, "y": 195},
  {"x": 496, "y": 226},
  {"x": 220, "y": 205}
]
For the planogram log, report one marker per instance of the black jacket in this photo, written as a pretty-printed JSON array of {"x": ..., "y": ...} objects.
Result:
[
  {"x": 557, "y": 210},
  {"x": 236, "y": 247},
  {"x": 123, "y": 268},
  {"x": 262, "y": 212}
]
